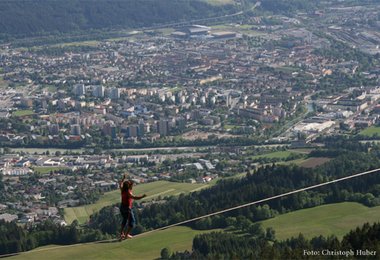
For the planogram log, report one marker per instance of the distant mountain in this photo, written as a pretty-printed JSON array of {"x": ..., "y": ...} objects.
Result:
[{"x": 38, "y": 17}]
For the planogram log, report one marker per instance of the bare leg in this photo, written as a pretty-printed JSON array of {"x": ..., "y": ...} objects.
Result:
[
  {"x": 122, "y": 230},
  {"x": 127, "y": 235},
  {"x": 128, "y": 231}
]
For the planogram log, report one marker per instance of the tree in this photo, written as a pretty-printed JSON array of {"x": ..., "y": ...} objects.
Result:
[
  {"x": 165, "y": 253},
  {"x": 270, "y": 234}
]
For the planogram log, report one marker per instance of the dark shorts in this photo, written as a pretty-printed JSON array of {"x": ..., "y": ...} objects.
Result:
[{"x": 128, "y": 215}]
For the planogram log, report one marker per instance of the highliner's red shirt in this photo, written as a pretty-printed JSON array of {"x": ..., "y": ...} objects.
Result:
[{"x": 126, "y": 198}]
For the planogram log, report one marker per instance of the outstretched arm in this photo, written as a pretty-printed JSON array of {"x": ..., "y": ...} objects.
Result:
[
  {"x": 138, "y": 197},
  {"x": 121, "y": 183}
]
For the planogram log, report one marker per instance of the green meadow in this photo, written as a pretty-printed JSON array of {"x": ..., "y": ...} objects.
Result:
[
  {"x": 45, "y": 170},
  {"x": 331, "y": 219},
  {"x": 370, "y": 131},
  {"x": 139, "y": 248},
  {"x": 19, "y": 113}
]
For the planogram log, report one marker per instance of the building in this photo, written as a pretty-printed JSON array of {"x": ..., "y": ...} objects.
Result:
[
  {"x": 195, "y": 30},
  {"x": 4, "y": 114},
  {"x": 54, "y": 129},
  {"x": 16, "y": 171},
  {"x": 98, "y": 91},
  {"x": 109, "y": 129},
  {"x": 8, "y": 217},
  {"x": 133, "y": 131},
  {"x": 180, "y": 123},
  {"x": 163, "y": 127},
  {"x": 142, "y": 127},
  {"x": 79, "y": 90},
  {"x": 75, "y": 129},
  {"x": 224, "y": 35},
  {"x": 114, "y": 93},
  {"x": 254, "y": 113},
  {"x": 195, "y": 115},
  {"x": 26, "y": 103}
]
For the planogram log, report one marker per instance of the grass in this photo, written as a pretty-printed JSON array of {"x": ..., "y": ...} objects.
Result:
[
  {"x": 296, "y": 162},
  {"x": 45, "y": 170},
  {"x": 153, "y": 190},
  {"x": 332, "y": 219},
  {"x": 274, "y": 155},
  {"x": 219, "y": 2},
  {"x": 139, "y": 248},
  {"x": 79, "y": 43},
  {"x": 20, "y": 113},
  {"x": 310, "y": 162},
  {"x": 166, "y": 31},
  {"x": 337, "y": 219},
  {"x": 370, "y": 131},
  {"x": 43, "y": 150},
  {"x": 314, "y": 162},
  {"x": 50, "y": 88},
  {"x": 229, "y": 127},
  {"x": 3, "y": 83}
]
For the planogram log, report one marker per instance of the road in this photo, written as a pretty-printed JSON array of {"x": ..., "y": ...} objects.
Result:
[{"x": 171, "y": 148}]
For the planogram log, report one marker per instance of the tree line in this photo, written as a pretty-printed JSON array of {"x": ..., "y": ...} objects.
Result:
[{"x": 14, "y": 238}]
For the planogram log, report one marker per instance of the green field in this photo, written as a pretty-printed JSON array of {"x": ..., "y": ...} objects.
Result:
[
  {"x": 298, "y": 162},
  {"x": 22, "y": 113},
  {"x": 152, "y": 189},
  {"x": 44, "y": 170},
  {"x": 274, "y": 155},
  {"x": 43, "y": 150},
  {"x": 332, "y": 219},
  {"x": 219, "y": 2},
  {"x": 139, "y": 248},
  {"x": 370, "y": 131},
  {"x": 50, "y": 88}
]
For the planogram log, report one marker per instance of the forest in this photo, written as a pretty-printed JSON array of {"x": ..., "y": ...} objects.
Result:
[
  {"x": 14, "y": 238},
  {"x": 35, "y": 18}
]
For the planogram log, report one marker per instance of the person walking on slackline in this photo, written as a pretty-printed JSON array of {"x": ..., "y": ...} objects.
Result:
[{"x": 126, "y": 211}]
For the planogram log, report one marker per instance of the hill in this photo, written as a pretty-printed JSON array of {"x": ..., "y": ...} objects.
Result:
[
  {"x": 26, "y": 18},
  {"x": 144, "y": 247},
  {"x": 338, "y": 219},
  {"x": 332, "y": 219}
]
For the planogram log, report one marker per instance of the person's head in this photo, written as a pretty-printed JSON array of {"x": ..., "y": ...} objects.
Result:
[{"x": 127, "y": 185}]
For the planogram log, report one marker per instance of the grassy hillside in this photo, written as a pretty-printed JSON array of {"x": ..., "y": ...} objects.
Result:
[
  {"x": 24, "y": 18},
  {"x": 337, "y": 219},
  {"x": 144, "y": 247},
  {"x": 153, "y": 190},
  {"x": 333, "y": 219}
]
